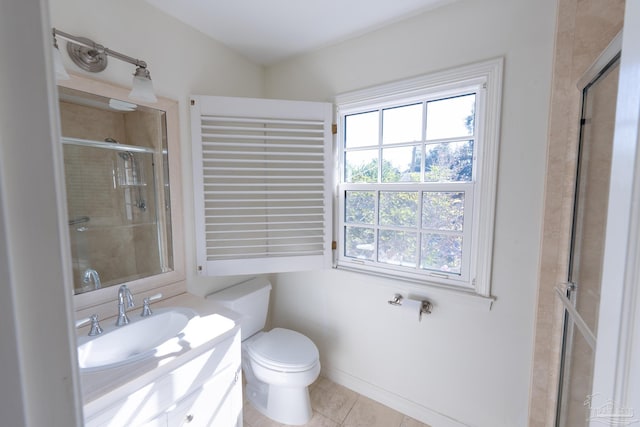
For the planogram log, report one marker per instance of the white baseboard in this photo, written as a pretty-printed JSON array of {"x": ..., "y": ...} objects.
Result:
[{"x": 392, "y": 400}]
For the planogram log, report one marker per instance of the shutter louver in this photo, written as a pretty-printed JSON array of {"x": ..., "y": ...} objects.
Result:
[{"x": 263, "y": 179}]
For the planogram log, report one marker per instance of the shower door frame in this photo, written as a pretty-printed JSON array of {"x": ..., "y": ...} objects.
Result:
[{"x": 617, "y": 360}]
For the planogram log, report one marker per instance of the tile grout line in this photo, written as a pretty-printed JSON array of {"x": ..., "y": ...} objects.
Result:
[{"x": 342, "y": 424}]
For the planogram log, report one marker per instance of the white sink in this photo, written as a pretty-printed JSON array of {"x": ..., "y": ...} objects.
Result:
[{"x": 137, "y": 340}]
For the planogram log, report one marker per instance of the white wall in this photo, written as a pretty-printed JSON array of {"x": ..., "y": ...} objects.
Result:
[
  {"x": 182, "y": 61},
  {"x": 38, "y": 382},
  {"x": 465, "y": 363}
]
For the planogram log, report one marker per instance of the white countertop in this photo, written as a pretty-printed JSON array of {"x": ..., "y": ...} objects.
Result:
[{"x": 213, "y": 325}]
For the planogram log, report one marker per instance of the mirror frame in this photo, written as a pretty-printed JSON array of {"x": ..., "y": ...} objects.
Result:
[{"x": 172, "y": 282}]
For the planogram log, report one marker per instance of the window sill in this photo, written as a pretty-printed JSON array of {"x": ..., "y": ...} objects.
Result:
[{"x": 436, "y": 293}]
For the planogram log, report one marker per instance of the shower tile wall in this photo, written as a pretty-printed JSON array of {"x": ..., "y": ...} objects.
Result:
[{"x": 120, "y": 251}]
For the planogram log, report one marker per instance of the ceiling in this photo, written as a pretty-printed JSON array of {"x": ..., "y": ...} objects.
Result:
[{"x": 267, "y": 31}]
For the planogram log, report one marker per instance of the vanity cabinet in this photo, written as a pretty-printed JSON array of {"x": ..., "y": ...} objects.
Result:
[
  {"x": 216, "y": 404},
  {"x": 203, "y": 390}
]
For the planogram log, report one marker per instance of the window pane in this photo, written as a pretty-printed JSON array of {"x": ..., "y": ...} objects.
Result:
[
  {"x": 402, "y": 124},
  {"x": 398, "y": 208},
  {"x": 441, "y": 253},
  {"x": 361, "y": 166},
  {"x": 443, "y": 210},
  {"x": 361, "y": 130},
  {"x": 397, "y": 248},
  {"x": 359, "y": 242},
  {"x": 401, "y": 164},
  {"x": 451, "y": 161},
  {"x": 360, "y": 207},
  {"x": 451, "y": 117}
]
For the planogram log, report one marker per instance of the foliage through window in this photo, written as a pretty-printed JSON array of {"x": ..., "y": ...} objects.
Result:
[{"x": 411, "y": 169}]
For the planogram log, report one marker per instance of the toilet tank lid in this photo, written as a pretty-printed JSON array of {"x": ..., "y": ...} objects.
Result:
[{"x": 240, "y": 290}]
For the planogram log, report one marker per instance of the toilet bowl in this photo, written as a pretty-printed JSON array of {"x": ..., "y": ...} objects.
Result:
[{"x": 280, "y": 364}]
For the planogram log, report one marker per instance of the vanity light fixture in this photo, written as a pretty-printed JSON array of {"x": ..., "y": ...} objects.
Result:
[{"x": 92, "y": 57}]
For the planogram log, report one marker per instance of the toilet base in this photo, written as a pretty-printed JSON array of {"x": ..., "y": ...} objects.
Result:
[{"x": 286, "y": 405}]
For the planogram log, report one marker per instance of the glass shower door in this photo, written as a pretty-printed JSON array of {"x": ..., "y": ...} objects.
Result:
[
  {"x": 581, "y": 297},
  {"x": 113, "y": 212}
]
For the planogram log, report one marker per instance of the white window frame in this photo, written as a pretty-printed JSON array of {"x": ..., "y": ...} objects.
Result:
[{"x": 485, "y": 80}]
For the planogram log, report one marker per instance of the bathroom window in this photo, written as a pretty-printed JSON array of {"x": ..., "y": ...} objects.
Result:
[{"x": 418, "y": 173}]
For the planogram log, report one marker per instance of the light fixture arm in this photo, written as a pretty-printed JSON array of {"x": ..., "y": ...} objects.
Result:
[
  {"x": 92, "y": 57},
  {"x": 98, "y": 48}
]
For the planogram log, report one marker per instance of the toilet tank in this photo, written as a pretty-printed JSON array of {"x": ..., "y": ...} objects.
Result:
[{"x": 250, "y": 299}]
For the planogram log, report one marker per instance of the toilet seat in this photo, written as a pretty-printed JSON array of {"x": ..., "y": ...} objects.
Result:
[{"x": 283, "y": 350}]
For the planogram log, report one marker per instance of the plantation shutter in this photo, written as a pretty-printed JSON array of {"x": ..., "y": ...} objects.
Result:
[{"x": 262, "y": 185}]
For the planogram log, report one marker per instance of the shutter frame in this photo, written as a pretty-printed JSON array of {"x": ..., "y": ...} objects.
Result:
[{"x": 262, "y": 177}]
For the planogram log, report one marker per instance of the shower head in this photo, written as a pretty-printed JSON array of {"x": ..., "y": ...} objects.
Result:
[{"x": 125, "y": 155}]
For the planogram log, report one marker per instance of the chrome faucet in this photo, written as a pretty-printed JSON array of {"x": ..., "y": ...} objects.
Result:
[
  {"x": 123, "y": 293},
  {"x": 90, "y": 275}
]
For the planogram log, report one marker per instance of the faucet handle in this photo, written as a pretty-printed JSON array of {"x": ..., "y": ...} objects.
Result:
[
  {"x": 146, "y": 310},
  {"x": 83, "y": 322},
  {"x": 96, "y": 329}
]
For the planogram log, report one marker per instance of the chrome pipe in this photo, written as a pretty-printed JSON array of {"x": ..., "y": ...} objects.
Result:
[{"x": 100, "y": 49}]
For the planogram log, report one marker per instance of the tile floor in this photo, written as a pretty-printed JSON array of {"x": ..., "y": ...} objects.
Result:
[{"x": 337, "y": 406}]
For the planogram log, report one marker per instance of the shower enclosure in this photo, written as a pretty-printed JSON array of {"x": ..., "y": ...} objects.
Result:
[
  {"x": 117, "y": 190},
  {"x": 581, "y": 294}
]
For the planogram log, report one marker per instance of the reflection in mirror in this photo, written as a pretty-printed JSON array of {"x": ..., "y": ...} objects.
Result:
[{"x": 117, "y": 181}]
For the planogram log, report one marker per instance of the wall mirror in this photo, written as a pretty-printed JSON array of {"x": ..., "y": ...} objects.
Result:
[{"x": 121, "y": 162}]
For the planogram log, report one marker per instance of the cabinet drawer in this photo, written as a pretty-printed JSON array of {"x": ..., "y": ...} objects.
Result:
[{"x": 212, "y": 405}]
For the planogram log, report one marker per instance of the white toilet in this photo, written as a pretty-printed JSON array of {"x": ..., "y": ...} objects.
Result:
[{"x": 278, "y": 365}]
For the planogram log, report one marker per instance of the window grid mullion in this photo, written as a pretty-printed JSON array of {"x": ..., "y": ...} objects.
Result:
[
  {"x": 421, "y": 190},
  {"x": 380, "y": 116},
  {"x": 376, "y": 233},
  {"x": 423, "y": 146},
  {"x": 376, "y": 224},
  {"x": 419, "y": 230}
]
